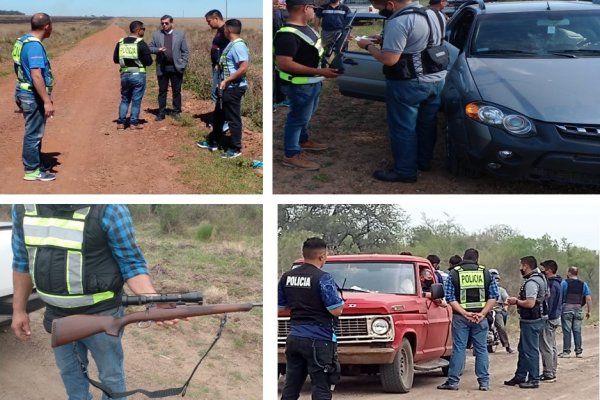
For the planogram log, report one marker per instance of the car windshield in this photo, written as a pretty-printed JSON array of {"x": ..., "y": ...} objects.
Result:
[
  {"x": 397, "y": 278},
  {"x": 538, "y": 34}
]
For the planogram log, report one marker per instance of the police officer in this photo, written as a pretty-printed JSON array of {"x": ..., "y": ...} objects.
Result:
[
  {"x": 133, "y": 55},
  {"x": 298, "y": 53},
  {"x": 79, "y": 257},
  {"x": 472, "y": 293},
  {"x": 331, "y": 18},
  {"x": 532, "y": 307},
  {"x": 311, "y": 296},
  {"x": 33, "y": 94},
  {"x": 575, "y": 294},
  {"x": 413, "y": 84}
]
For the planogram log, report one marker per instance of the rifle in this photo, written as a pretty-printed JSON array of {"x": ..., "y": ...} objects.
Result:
[
  {"x": 336, "y": 47},
  {"x": 75, "y": 327}
]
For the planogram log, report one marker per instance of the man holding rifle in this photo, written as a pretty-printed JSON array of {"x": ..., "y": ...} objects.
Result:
[
  {"x": 79, "y": 257},
  {"x": 298, "y": 52}
]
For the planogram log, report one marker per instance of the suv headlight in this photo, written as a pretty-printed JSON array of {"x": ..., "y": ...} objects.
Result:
[
  {"x": 380, "y": 326},
  {"x": 503, "y": 118}
]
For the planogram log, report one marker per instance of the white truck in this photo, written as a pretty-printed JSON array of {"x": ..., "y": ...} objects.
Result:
[{"x": 6, "y": 285}]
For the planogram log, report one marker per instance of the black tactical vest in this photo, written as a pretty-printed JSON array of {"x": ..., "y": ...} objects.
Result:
[
  {"x": 541, "y": 307},
  {"x": 574, "y": 292}
]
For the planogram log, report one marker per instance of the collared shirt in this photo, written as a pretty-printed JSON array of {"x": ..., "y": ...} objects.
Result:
[
  {"x": 117, "y": 224},
  {"x": 493, "y": 292}
]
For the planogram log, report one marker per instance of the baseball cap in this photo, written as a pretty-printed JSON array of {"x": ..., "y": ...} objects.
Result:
[
  {"x": 435, "y": 1},
  {"x": 301, "y": 2}
]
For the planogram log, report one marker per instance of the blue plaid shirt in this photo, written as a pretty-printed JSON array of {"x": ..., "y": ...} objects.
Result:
[
  {"x": 117, "y": 224},
  {"x": 493, "y": 291}
]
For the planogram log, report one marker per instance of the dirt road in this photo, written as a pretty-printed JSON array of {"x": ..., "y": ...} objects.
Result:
[
  {"x": 92, "y": 157},
  {"x": 577, "y": 379}
]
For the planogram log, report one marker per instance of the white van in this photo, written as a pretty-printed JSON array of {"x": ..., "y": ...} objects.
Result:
[{"x": 6, "y": 285}]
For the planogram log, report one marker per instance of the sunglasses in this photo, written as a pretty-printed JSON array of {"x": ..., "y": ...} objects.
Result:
[{"x": 165, "y": 23}]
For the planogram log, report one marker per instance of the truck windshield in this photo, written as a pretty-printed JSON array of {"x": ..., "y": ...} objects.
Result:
[{"x": 397, "y": 278}]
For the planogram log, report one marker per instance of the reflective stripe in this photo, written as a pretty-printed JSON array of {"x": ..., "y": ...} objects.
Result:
[
  {"x": 74, "y": 301},
  {"x": 133, "y": 70},
  {"x": 223, "y": 59},
  {"x": 74, "y": 272},
  {"x": 16, "y": 56},
  {"x": 469, "y": 280},
  {"x": 129, "y": 51},
  {"x": 300, "y": 80},
  {"x": 31, "y": 253},
  {"x": 82, "y": 213},
  {"x": 317, "y": 45},
  {"x": 53, "y": 232}
]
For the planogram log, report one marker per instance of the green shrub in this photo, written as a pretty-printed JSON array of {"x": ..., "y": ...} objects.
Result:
[{"x": 204, "y": 232}]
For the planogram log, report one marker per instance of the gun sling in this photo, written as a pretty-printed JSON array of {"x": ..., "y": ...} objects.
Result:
[{"x": 157, "y": 393}]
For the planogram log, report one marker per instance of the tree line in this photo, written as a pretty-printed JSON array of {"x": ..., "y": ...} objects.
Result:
[{"x": 385, "y": 229}]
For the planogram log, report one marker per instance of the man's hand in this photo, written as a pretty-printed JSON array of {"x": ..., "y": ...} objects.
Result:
[
  {"x": 329, "y": 72},
  {"x": 169, "y": 322},
  {"x": 49, "y": 109},
  {"x": 512, "y": 301},
  {"x": 587, "y": 315},
  {"x": 363, "y": 43},
  {"x": 20, "y": 326},
  {"x": 223, "y": 85},
  {"x": 162, "y": 49}
]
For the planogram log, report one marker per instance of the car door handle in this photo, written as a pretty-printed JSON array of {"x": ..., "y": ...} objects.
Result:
[{"x": 350, "y": 61}]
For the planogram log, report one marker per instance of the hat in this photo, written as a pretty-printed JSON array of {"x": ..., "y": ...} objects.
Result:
[
  {"x": 301, "y": 2},
  {"x": 434, "y": 2}
]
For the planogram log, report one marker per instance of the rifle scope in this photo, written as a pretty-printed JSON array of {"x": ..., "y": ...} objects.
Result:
[{"x": 179, "y": 298}]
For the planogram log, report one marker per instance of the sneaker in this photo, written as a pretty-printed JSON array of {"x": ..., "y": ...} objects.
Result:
[
  {"x": 578, "y": 355},
  {"x": 311, "y": 145},
  {"x": 513, "y": 382},
  {"x": 231, "y": 153},
  {"x": 548, "y": 379},
  {"x": 120, "y": 127},
  {"x": 564, "y": 355},
  {"x": 484, "y": 388},
  {"x": 39, "y": 175},
  {"x": 205, "y": 144},
  {"x": 299, "y": 161},
  {"x": 529, "y": 385},
  {"x": 447, "y": 386}
]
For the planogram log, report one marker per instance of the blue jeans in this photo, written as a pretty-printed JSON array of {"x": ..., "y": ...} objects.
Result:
[
  {"x": 303, "y": 102},
  {"x": 528, "y": 364},
  {"x": 32, "y": 106},
  {"x": 133, "y": 87},
  {"x": 462, "y": 330},
  {"x": 412, "y": 123},
  {"x": 108, "y": 356},
  {"x": 213, "y": 93},
  {"x": 571, "y": 323}
]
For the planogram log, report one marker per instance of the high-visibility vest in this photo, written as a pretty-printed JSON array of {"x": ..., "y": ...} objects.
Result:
[
  {"x": 223, "y": 67},
  {"x": 471, "y": 287},
  {"x": 302, "y": 80},
  {"x": 67, "y": 236},
  {"x": 129, "y": 51},
  {"x": 16, "y": 56}
]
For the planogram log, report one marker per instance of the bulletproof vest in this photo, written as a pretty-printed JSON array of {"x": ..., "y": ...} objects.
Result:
[
  {"x": 71, "y": 264},
  {"x": 130, "y": 51},
  {"x": 315, "y": 46},
  {"x": 574, "y": 292},
  {"x": 223, "y": 67},
  {"x": 540, "y": 308},
  {"x": 471, "y": 283},
  {"x": 303, "y": 294}
]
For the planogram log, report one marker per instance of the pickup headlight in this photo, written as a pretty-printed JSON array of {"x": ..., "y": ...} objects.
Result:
[
  {"x": 503, "y": 118},
  {"x": 380, "y": 326}
]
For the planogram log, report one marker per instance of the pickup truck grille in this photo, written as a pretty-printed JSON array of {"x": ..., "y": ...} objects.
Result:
[{"x": 348, "y": 329}]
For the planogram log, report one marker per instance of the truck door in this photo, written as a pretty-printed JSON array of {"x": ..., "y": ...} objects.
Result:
[{"x": 437, "y": 320}]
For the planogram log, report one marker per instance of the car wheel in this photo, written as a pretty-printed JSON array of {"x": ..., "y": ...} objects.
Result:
[
  {"x": 398, "y": 376},
  {"x": 458, "y": 165}
]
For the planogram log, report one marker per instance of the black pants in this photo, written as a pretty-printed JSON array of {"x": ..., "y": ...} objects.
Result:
[
  {"x": 176, "y": 79},
  {"x": 307, "y": 357},
  {"x": 228, "y": 108}
]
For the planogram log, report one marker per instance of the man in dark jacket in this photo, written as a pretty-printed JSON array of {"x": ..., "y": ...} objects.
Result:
[
  {"x": 133, "y": 55},
  {"x": 215, "y": 21},
  {"x": 548, "y": 337}
]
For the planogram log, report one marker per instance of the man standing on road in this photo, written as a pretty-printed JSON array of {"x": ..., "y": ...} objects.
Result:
[
  {"x": 298, "y": 53},
  {"x": 532, "y": 307},
  {"x": 575, "y": 293},
  {"x": 414, "y": 83},
  {"x": 133, "y": 55},
  {"x": 79, "y": 257},
  {"x": 472, "y": 293},
  {"x": 548, "y": 336},
  {"x": 233, "y": 65},
  {"x": 331, "y": 19},
  {"x": 311, "y": 296},
  {"x": 214, "y": 19},
  {"x": 33, "y": 94},
  {"x": 500, "y": 308},
  {"x": 172, "y": 54}
]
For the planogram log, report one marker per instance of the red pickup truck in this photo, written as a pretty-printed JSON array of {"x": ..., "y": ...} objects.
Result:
[{"x": 388, "y": 326}]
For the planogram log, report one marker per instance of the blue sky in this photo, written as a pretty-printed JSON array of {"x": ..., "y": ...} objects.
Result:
[{"x": 141, "y": 8}]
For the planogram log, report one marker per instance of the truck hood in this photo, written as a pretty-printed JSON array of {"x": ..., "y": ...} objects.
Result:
[
  {"x": 378, "y": 303},
  {"x": 563, "y": 90}
]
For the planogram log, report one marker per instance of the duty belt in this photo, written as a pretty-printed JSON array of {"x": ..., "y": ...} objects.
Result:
[
  {"x": 29, "y": 87},
  {"x": 300, "y": 80}
]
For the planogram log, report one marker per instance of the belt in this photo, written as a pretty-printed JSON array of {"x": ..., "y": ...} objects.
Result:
[{"x": 29, "y": 87}]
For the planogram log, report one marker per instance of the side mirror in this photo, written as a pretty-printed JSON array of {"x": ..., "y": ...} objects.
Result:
[{"x": 437, "y": 291}]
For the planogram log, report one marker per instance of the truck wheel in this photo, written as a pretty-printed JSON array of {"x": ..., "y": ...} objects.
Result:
[{"x": 398, "y": 376}]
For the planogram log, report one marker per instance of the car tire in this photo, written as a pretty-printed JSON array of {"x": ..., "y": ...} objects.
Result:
[
  {"x": 398, "y": 376},
  {"x": 458, "y": 165}
]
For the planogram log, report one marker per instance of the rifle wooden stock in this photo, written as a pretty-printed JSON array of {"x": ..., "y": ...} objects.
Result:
[{"x": 75, "y": 327}]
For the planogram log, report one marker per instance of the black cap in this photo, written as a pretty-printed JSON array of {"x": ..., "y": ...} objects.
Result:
[
  {"x": 301, "y": 2},
  {"x": 435, "y": 1}
]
